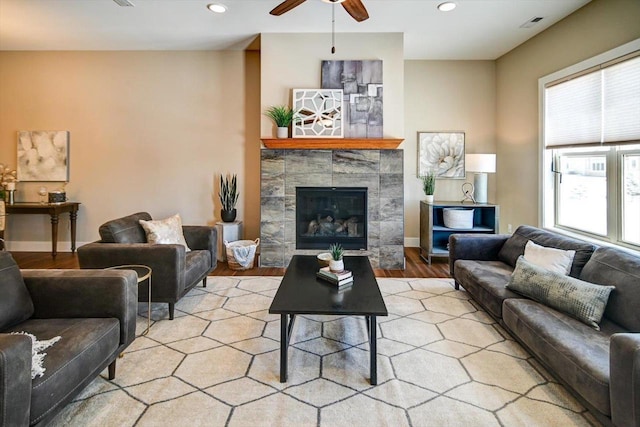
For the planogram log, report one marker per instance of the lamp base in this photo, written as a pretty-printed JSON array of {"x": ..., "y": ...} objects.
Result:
[{"x": 480, "y": 187}]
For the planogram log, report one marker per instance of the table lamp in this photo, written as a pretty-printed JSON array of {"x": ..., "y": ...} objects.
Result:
[{"x": 480, "y": 164}]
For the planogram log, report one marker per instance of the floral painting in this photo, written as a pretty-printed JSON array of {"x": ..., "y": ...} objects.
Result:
[{"x": 441, "y": 152}]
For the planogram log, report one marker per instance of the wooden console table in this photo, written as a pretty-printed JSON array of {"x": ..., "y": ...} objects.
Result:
[{"x": 54, "y": 210}]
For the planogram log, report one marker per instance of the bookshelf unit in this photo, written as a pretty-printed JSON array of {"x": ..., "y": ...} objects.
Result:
[{"x": 434, "y": 236}]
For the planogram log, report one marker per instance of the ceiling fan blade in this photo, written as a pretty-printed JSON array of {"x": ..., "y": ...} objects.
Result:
[
  {"x": 285, "y": 6},
  {"x": 356, "y": 9}
]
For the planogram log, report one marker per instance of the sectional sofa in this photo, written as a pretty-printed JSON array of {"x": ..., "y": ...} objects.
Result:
[{"x": 601, "y": 367}]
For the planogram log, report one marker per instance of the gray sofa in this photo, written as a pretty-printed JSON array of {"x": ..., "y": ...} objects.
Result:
[
  {"x": 94, "y": 313},
  {"x": 602, "y": 368},
  {"x": 174, "y": 271}
]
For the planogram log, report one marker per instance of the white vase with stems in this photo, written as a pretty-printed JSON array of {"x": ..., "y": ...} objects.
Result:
[
  {"x": 336, "y": 265},
  {"x": 282, "y": 117},
  {"x": 282, "y": 132},
  {"x": 429, "y": 185}
]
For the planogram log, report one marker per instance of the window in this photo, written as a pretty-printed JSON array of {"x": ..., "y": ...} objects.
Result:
[
  {"x": 582, "y": 191},
  {"x": 631, "y": 198},
  {"x": 591, "y": 149}
]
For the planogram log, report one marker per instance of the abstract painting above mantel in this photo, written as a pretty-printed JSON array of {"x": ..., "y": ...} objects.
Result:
[
  {"x": 442, "y": 153},
  {"x": 43, "y": 155},
  {"x": 317, "y": 113},
  {"x": 361, "y": 83}
]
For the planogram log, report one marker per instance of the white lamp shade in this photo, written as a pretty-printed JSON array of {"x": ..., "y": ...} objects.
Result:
[{"x": 480, "y": 163}]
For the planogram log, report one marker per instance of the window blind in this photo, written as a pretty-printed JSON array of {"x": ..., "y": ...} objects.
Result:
[
  {"x": 600, "y": 107},
  {"x": 621, "y": 112}
]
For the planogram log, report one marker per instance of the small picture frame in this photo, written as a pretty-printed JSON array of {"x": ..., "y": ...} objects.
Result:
[
  {"x": 441, "y": 152},
  {"x": 317, "y": 113},
  {"x": 43, "y": 155}
]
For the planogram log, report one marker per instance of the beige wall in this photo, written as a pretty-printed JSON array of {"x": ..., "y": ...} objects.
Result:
[
  {"x": 446, "y": 96},
  {"x": 292, "y": 61},
  {"x": 149, "y": 131},
  {"x": 597, "y": 27}
]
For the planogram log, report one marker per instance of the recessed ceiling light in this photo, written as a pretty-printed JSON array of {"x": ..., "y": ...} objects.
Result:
[
  {"x": 217, "y": 7},
  {"x": 447, "y": 6}
]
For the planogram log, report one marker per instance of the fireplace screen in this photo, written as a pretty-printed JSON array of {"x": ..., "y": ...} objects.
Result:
[{"x": 326, "y": 215}]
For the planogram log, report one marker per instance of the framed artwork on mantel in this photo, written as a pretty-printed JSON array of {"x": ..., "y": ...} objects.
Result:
[
  {"x": 43, "y": 155},
  {"x": 317, "y": 113},
  {"x": 361, "y": 84},
  {"x": 441, "y": 152}
]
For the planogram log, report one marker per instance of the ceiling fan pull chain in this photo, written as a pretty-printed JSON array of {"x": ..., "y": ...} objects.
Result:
[{"x": 333, "y": 28}]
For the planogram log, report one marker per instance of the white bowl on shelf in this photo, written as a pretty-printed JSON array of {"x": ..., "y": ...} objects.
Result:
[{"x": 458, "y": 218}]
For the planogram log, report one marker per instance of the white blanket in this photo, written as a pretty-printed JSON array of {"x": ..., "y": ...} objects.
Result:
[{"x": 37, "y": 358}]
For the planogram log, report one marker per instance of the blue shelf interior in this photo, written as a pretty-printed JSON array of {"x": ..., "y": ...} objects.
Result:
[{"x": 484, "y": 221}]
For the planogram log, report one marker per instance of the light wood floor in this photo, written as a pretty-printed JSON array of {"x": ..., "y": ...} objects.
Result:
[{"x": 415, "y": 266}]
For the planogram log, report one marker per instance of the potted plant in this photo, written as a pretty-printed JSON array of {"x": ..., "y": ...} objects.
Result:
[
  {"x": 429, "y": 185},
  {"x": 282, "y": 116},
  {"x": 336, "y": 263},
  {"x": 228, "y": 197}
]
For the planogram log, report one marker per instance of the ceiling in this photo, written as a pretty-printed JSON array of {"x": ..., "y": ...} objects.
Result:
[{"x": 476, "y": 29}]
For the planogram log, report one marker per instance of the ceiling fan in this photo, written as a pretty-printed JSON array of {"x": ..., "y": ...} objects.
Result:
[{"x": 355, "y": 8}]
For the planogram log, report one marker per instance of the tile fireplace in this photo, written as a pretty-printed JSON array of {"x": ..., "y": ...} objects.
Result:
[{"x": 373, "y": 228}]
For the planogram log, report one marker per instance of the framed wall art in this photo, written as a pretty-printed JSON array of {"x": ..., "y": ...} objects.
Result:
[
  {"x": 361, "y": 84},
  {"x": 317, "y": 113},
  {"x": 441, "y": 152},
  {"x": 43, "y": 155}
]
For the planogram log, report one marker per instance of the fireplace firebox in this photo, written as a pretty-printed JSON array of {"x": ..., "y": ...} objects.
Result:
[{"x": 326, "y": 215}]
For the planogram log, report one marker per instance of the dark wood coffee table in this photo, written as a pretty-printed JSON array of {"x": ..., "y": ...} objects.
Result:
[{"x": 301, "y": 292}]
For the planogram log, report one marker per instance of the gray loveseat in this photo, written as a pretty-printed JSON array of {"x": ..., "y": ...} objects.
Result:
[
  {"x": 602, "y": 368},
  {"x": 174, "y": 270},
  {"x": 94, "y": 313}
]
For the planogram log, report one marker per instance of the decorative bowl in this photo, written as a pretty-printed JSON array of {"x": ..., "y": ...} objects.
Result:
[{"x": 324, "y": 258}]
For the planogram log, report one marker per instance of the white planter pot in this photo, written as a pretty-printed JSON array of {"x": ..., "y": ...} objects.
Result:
[
  {"x": 282, "y": 132},
  {"x": 336, "y": 265},
  {"x": 429, "y": 199}
]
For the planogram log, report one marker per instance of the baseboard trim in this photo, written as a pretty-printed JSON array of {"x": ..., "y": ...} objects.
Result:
[
  {"x": 40, "y": 246},
  {"x": 411, "y": 242},
  {"x": 65, "y": 246}
]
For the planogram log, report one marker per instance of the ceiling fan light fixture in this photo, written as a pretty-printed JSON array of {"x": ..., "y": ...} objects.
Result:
[
  {"x": 447, "y": 6},
  {"x": 217, "y": 7},
  {"x": 333, "y": 1}
]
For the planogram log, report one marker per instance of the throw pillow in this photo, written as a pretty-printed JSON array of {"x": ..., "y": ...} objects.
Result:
[
  {"x": 583, "y": 300},
  {"x": 165, "y": 231},
  {"x": 552, "y": 259}
]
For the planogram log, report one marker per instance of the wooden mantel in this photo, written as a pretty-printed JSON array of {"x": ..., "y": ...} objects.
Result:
[{"x": 332, "y": 143}]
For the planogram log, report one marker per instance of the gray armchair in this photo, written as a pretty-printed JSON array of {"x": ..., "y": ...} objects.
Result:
[
  {"x": 174, "y": 271},
  {"x": 94, "y": 313}
]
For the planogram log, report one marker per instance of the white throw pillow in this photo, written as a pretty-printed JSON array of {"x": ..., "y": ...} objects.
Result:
[
  {"x": 552, "y": 259},
  {"x": 165, "y": 231}
]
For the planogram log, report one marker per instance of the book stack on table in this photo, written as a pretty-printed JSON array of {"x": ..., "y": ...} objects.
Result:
[{"x": 339, "y": 278}]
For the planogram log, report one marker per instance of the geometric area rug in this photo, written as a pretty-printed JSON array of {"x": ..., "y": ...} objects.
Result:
[{"x": 442, "y": 361}]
